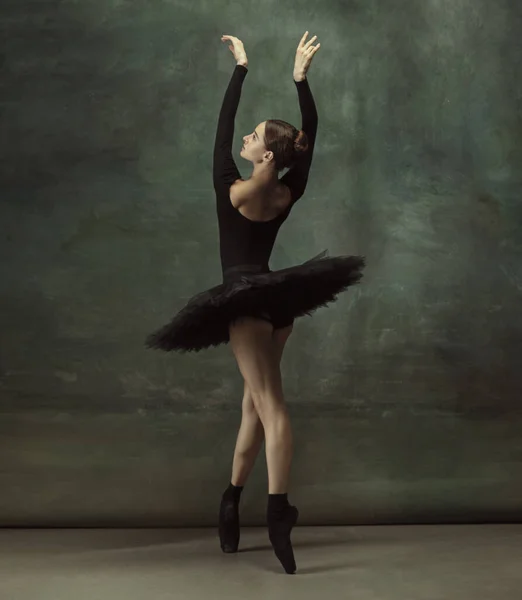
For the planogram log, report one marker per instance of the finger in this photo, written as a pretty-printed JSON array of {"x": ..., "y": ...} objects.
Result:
[
  {"x": 310, "y": 42},
  {"x": 303, "y": 39},
  {"x": 312, "y": 49}
]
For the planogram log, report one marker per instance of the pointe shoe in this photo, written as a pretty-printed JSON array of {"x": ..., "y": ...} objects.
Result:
[
  {"x": 279, "y": 531},
  {"x": 229, "y": 526}
]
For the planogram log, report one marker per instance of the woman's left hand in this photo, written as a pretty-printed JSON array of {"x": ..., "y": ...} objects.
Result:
[{"x": 237, "y": 49}]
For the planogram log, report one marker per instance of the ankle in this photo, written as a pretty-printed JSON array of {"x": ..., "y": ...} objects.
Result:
[
  {"x": 277, "y": 503},
  {"x": 233, "y": 492}
]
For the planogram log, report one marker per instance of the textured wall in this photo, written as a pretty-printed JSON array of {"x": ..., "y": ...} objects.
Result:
[{"x": 404, "y": 395}]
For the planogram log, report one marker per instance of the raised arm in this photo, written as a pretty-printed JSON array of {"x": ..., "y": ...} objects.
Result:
[
  {"x": 225, "y": 171},
  {"x": 297, "y": 177}
]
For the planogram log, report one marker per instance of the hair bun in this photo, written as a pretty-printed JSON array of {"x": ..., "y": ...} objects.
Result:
[{"x": 301, "y": 142}]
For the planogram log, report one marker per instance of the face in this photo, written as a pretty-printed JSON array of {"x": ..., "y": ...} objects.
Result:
[{"x": 254, "y": 146}]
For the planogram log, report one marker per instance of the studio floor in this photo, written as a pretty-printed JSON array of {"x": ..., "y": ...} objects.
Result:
[{"x": 464, "y": 562}]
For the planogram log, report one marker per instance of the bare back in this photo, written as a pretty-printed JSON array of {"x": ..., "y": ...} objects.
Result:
[{"x": 256, "y": 204}]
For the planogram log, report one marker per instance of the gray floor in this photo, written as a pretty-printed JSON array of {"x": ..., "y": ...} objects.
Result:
[{"x": 472, "y": 562}]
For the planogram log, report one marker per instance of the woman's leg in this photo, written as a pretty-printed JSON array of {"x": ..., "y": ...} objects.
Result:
[
  {"x": 251, "y": 341},
  {"x": 251, "y": 433},
  {"x": 253, "y": 347},
  {"x": 249, "y": 441}
]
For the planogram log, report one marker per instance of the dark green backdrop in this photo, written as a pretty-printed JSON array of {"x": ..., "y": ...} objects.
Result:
[{"x": 404, "y": 394}]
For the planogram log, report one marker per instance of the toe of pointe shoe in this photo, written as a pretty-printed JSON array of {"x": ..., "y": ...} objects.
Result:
[
  {"x": 279, "y": 535},
  {"x": 229, "y": 532}
]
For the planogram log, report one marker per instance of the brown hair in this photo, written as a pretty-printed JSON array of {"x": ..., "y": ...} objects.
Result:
[{"x": 286, "y": 142}]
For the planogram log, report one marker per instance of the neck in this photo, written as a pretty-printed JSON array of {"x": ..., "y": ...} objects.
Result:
[{"x": 265, "y": 176}]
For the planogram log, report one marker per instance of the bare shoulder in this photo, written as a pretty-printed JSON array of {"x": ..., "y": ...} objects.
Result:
[
  {"x": 286, "y": 194},
  {"x": 243, "y": 191},
  {"x": 239, "y": 192}
]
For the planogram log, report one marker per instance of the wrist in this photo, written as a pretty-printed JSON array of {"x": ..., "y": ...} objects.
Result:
[
  {"x": 242, "y": 63},
  {"x": 299, "y": 76}
]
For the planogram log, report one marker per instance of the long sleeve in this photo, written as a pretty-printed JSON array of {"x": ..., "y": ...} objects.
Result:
[
  {"x": 297, "y": 177},
  {"x": 225, "y": 170}
]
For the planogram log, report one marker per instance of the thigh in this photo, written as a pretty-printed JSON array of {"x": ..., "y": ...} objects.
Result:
[
  {"x": 252, "y": 343},
  {"x": 279, "y": 339}
]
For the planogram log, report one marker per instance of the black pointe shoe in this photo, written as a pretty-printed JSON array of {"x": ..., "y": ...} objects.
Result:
[
  {"x": 279, "y": 530},
  {"x": 229, "y": 526}
]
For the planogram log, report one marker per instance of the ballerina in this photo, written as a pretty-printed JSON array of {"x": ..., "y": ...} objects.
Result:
[{"x": 254, "y": 308}]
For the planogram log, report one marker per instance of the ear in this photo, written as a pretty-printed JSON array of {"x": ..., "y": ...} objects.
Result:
[{"x": 269, "y": 155}]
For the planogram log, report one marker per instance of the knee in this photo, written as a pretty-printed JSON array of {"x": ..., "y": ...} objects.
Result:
[
  {"x": 248, "y": 407},
  {"x": 256, "y": 399},
  {"x": 267, "y": 404}
]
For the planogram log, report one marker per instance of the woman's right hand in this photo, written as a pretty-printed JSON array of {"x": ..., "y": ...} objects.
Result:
[
  {"x": 303, "y": 57},
  {"x": 237, "y": 49}
]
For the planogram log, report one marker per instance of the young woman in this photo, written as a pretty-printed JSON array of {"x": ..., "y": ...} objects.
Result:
[{"x": 254, "y": 308}]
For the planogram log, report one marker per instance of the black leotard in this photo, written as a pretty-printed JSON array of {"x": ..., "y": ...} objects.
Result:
[{"x": 243, "y": 241}]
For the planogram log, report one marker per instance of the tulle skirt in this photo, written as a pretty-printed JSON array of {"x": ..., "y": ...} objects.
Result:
[{"x": 250, "y": 290}]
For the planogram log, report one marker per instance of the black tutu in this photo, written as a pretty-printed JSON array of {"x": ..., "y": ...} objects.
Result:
[{"x": 294, "y": 291}]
